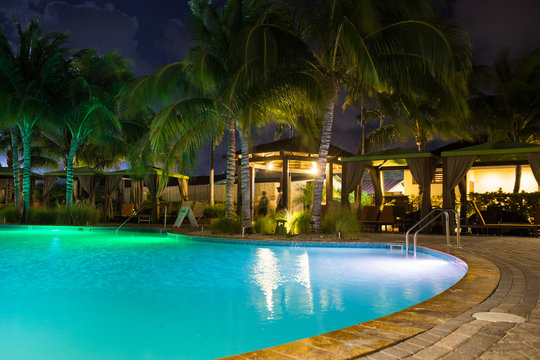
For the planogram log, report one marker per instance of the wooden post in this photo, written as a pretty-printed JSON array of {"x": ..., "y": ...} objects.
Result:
[
  {"x": 285, "y": 183},
  {"x": 329, "y": 183}
]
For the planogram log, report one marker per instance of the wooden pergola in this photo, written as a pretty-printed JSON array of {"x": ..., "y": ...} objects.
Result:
[
  {"x": 152, "y": 178},
  {"x": 291, "y": 156},
  {"x": 114, "y": 182},
  {"x": 422, "y": 167},
  {"x": 7, "y": 183}
]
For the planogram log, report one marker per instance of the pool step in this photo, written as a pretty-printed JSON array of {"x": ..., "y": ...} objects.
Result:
[{"x": 396, "y": 247}]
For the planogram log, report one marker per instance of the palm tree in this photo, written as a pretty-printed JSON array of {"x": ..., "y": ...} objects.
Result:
[
  {"x": 93, "y": 83},
  {"x": 374, "y": 46},
  {"x": 506, "y": 99},
  {"x": 224, "y": 83},
  {"x": 37, "y": 65}
]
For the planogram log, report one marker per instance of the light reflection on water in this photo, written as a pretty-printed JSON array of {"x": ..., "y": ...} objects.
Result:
[{"x": 89, "y": 296}]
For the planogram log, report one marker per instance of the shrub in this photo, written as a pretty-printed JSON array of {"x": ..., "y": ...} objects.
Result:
[
  {"x": 342, "y": 221},
  {"x": 265, "y": 225},
  {"x": 78, "y": 214},
  {"x": 215, "y": 211},
  {"x": 10, "y": 214},
  {"x": 300, "y": 223},
  {"x": 522, "y": 203},
  {"x": 226, "y": 225},
  {"x": 41, "y": 216}
]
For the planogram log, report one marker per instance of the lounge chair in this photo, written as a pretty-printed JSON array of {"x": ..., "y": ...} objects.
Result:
[
  {"x": 198, "y": 209},
  {"x": 369, "y": 216},
  {"x": 386, "y": 218},
  {"x": 534, "y": 228}
]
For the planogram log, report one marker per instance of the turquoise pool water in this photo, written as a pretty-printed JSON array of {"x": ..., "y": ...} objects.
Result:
[{"x": 74, "y": 294}]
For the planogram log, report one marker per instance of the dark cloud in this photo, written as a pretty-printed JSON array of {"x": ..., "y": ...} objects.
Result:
[
  {"x": 93, "y": 26},
  {"x": 173, "y": 40},
  {"x": 496, "y": 24}
]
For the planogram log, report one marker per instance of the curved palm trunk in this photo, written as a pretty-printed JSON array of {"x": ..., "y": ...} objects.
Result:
[
  {"x": 246, "y": 189},
  {"x": 517, "y": 182},
  {"x": 69, "y": 172},
  {"x": 231, "y": 150},
  {"x": 26, "y": 135},
  {"x": 326, "y": 136},
  {"x": 15, "y": 152}
]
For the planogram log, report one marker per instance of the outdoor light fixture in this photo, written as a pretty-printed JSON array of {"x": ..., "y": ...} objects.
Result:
[
  {"x": 314, "y": 169},
  {"x": 271, "y": 165}
]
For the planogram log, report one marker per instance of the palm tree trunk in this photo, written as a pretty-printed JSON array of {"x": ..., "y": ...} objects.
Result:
[
  {"x": 420, "y": 143},
  {"x": 69, "y": 172},
  {"x": 15, "y": 152},
  {"x": 212, "y": 172},
  {"x": 26, "y": 135},
  {"x": 231, "y": 167},
  {"x": 246, "y": 189},
  {"x": 363, "y": 127},
  {"x": 326, "y": 136},
  {"x": 517, "y": 182}
]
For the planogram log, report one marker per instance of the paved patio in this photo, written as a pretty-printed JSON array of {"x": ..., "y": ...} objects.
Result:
[{"x": 464, "y": 337}]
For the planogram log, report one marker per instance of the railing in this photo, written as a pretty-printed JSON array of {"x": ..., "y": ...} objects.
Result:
[
  {"x": 135, "y": 213},
  {"x": 429, "y": 221}
]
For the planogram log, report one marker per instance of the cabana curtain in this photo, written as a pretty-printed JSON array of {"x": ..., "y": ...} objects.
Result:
[
  {"x": 48, "y": 183},
  {"x": 183, "y": 187},
  {"x": 114, "y": 183},
  {"x": 137, "y": 193},
  {"x": 419, "y": 167},
  {"x": 87, "y": 183},
  {"x": 156, "y": 186},
  {"x": 353, "y": 172},
  {"x": 534, "y": 161},
  {"x": 456, "y": 169}
]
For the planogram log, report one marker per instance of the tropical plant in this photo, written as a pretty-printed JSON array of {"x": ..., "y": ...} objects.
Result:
[
  {"x": 93, "y": 84},
  {"x": 29, "y": 75},
  {"x": 225, "y": 83},
  {"x": 300, "y": 223},
  {"x": 374, "y": 46},
  {"x": 341, "y": 222},
  {"x": 227, "y": 225},
  {"x": 506, "y": 101},
  {"x": 265, "y": 225}
]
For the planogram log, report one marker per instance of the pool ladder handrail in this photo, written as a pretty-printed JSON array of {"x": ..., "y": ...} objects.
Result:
[
  {"x": 429, "y": 221},
  {"x": 135, "y": 213}
]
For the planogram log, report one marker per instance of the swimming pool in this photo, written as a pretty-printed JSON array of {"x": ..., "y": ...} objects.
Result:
[{"x": 81, "y": 294}]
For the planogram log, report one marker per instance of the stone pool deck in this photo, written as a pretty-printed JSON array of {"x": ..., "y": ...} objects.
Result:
[{"x": 503, "y": 277}]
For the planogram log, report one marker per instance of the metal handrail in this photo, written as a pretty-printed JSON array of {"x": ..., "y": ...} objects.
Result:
[
  {"x": 135, "y": 213},
  {"x": 447, "y": 218}
]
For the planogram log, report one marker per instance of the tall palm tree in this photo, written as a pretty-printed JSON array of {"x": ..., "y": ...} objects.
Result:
[
  {"x": 223, "y": 82},
  {"x": 37, "y": 63},
  {"x": 374, "y": 46},
  {"x": 506, "y": 98},
  {"x": 93, "y": 83}
]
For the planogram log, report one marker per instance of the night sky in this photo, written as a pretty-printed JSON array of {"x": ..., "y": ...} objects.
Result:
[{"x": 154, "y": 32}]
